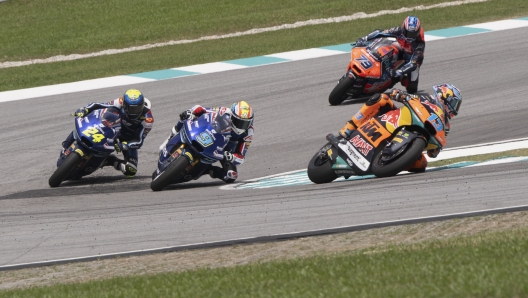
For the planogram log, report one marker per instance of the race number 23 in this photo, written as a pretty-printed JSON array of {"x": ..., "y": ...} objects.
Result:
[{"x": 94, "y": 133}]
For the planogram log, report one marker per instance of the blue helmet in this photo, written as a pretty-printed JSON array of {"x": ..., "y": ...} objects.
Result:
[
  {"x": 133, "y": 103},
  {"x": 411, "y": 28}
]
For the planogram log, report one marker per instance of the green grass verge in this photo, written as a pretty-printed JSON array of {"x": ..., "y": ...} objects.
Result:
[
  {"x": 31, "y": 30},
  {"x": 483, "y": 265},
  {"x": 480, "y": 157}
]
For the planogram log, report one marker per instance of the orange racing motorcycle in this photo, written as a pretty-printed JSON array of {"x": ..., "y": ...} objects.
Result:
[
  {"x": 369, "y": 70},
  {"x": 384, "y": 146}
]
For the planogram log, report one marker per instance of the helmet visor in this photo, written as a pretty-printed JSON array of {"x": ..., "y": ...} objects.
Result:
[
  {"x": 133, "y": 110},
  {"x": 241, "y": 124},
  {"x": 454, "y": 104},
  {"x": 412, "y": 34}
]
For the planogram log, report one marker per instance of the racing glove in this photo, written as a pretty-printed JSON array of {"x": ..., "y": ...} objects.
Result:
[
  {"x": 433, "y": 153},
  {"x": 228, "y": 156},
  {"x": 185, "y": 115},
  {"x": 81, "y": 112},
  {"x": 398, "y": 95},
  {"x": 361, "y": 42},
  {"x": 121, "y": 146},
  {"x": 396, "y": 73}
]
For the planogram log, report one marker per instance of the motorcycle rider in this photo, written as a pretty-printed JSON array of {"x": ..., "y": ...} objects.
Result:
[
  {"x": 410, "y": 36},
  {"x": 446, "y": 96},
  {"x": 136, "y": 123},
  {"x": 241, "y": 136}
]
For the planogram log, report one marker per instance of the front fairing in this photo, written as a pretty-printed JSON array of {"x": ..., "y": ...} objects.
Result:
[
  {"x": 97, "y": 131},
  {"x": 200, "y": 140},
  {"x": 207, "y": 136}
]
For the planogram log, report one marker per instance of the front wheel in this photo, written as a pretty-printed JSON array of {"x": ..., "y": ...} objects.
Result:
[
  {"x": 320, "y": 169},
  {"x": 165, "y": 178},
  {"x": 64, "y": 169},
  {"x": 340, "y": 92},
  {"x": 392, "y": 167}
]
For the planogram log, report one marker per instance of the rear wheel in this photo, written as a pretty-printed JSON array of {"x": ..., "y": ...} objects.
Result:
[
  {"x": 340, "y": 92},
  {"x": 320, "y": 169},
  {"x": 62, "y": 171},
  {"x": 165, "y": 178},
  {"x": 406, "y": 158}
]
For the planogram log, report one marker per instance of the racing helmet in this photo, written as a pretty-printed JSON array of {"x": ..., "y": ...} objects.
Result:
[
  {"x": 450, "y": 97},
  {"x": 411, "y": 28},
  {"x": 133, "y": 103},
  {"x": 241, "y": 116}
]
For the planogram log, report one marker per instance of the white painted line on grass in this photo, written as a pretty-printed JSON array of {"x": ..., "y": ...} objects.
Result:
[{"x": 356, "y": 16}]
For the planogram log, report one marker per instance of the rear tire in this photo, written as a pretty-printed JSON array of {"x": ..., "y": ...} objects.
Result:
[
  {"x": 174, "y": 169},
  {"x": 319, "y": 171},
  {"x": 339, "y": 94},
  {"x": 406, "y": 159},
  {"x": 64, "y": 169}
]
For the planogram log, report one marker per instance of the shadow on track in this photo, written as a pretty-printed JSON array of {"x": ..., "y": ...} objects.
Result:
[
  {"x": 86, "y": 186},
  {"x": 103, "y": 185}
]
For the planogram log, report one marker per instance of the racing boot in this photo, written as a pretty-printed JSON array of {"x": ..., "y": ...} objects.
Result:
[
  {"x": 419, "y": 165},
  {"x": 129, "y": 169},
  {"x": 377, "y": 104},
  {"x": 67, "y": 143},
  {"x": 228, "y": 173},
  {"x": 175, "y": 130}
]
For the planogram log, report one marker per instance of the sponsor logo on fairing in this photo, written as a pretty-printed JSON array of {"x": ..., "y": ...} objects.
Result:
[
  {"x": 361, "y": 144},
  {"x": 344, "y": 172},
  {"x": 391, "y": 118},
  {"x": 355, "y": 157}
]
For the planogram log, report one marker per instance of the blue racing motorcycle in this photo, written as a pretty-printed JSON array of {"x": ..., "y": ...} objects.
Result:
[
  {"x": 189, "y": 153},
  {"x": 94, "y": 141}
]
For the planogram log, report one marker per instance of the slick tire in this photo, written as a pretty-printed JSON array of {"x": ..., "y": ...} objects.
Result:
[
  {"x": 339, "y": 94},
  {"x": 320, "y": 172},
  {"x": 406, "y": 159},
  {"x": 64, "y": 169},
  {"x": 173, "y": 170}
]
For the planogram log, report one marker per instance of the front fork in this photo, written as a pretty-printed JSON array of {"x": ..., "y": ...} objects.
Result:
[
  {"x": 75, "y": 149},
  {"x": 398, "y": 144}
]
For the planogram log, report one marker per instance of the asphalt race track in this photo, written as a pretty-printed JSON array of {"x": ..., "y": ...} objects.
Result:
[{"x": 107, "y": 213}]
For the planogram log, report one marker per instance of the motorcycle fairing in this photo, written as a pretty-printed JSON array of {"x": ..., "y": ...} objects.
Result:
[
  {"x": 398, "y": 143},
  {"x": 200, "y": 141},
  {"x": 93, "y": 140}
]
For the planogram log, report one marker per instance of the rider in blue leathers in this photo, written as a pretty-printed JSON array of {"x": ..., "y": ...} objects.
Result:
[
  {"x": 136, "y": 123},
  {"x": 241, "y": 137}
]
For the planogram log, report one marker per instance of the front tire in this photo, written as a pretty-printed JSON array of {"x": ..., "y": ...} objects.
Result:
[
  {"x": 320, "y": 171},
  {"x": 165, "y": 178},
  {"x": 404, "y": 161},
  {"x": 64, "y": 169},
  {"x": 340, "y": 92}
]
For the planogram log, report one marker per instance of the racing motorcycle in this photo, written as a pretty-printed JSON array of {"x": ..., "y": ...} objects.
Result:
[
  {"x": 369, "y": 70},
  {"x": 94, "y": 136},
  {"x": 199, "y": 143},
  {"x": 384, "y": 146}
]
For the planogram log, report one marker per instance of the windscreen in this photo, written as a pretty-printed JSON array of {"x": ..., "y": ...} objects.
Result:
[{"x": 110, "y": 117}]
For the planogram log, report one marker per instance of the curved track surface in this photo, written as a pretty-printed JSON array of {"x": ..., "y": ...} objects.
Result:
[{"x": 106, "y": 213}]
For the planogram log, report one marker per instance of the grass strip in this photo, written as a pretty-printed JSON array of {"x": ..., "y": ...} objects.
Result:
[{"x": 482, "y": 265}]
